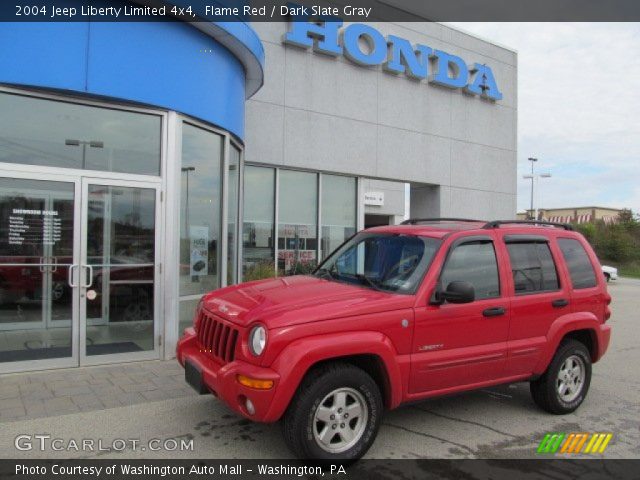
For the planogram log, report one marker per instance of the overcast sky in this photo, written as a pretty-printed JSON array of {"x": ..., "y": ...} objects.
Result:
[{"x": 578, "y": 109}]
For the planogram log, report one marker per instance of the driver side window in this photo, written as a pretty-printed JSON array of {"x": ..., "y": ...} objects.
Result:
[{"x": 474, "y": 262}]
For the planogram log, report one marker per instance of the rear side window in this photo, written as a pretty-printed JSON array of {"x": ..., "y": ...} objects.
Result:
[
  {"x": 532, "y": 267},
  {"x": 578, "y": 263},
  {"x": 473, "y": 262}
]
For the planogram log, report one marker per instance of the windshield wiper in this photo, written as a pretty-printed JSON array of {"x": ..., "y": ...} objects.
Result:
[
  {"x": 370, "y": 282},
  {"x": 325, "y": 272}
]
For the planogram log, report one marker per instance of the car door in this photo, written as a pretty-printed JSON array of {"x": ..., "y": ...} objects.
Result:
[
  {"x": 538, "y": 298},
  {"x": 462, "y": 344}
]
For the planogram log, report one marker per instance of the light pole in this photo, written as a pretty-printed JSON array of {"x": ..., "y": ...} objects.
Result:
[
  {"x": 534, "y": 179},
  {"x": 186, "y": 213},
  {"x": 70, "y": 142}
]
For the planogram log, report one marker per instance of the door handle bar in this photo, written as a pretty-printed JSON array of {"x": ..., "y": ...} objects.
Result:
[
  {"x": 70, "y": 276},
  {"x": 493, "y": 312},
  {"x": 90, "y": 270}
]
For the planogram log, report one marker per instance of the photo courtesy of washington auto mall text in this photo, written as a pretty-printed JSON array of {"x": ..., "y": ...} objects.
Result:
[{"x": 345, "y": 239}]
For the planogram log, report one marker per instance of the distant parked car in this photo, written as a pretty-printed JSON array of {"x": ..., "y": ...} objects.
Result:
[{"x": 610, "y": 273}]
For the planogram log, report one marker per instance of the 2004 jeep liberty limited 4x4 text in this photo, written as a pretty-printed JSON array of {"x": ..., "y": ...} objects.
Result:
[{"x": 398, "y": 314}]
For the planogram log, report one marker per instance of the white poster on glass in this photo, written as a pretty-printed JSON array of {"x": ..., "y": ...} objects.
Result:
[{"x": 199, "y": 243}]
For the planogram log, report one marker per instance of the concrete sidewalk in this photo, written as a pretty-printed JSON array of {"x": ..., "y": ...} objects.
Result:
[{"x": 57, "y": 392}]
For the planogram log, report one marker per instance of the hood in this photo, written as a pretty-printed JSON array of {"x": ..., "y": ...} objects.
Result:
[{"x": 286, "y": 301}]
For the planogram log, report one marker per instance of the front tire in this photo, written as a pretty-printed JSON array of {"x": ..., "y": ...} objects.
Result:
[
  {"x": 335, "y": 415},
  {"x": 565, "y": 384}
]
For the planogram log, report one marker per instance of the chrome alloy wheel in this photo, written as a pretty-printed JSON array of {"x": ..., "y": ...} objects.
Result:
[
  {"x": 340, "y": 420},
  {"x": 571, "y": 378}
]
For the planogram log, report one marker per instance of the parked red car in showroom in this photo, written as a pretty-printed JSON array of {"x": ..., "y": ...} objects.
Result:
[{"x": 398, "y": 314}]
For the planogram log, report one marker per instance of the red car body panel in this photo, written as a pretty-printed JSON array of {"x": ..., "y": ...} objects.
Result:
[{"x": 422, "y": 349}]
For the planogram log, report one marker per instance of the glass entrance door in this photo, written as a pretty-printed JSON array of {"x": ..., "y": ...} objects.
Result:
[
  {"x": 78, "y": 271},
  {"x": 119, "y": 276},
  {"x": 37, "y": 237}
]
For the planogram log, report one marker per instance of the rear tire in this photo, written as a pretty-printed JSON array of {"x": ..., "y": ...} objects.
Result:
[
  {"x": 565, "y": 384},
  {"x": 335, "y": 414}
]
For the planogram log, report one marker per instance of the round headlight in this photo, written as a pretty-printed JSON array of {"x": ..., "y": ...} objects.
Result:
[{"x": 257, "y": 340}]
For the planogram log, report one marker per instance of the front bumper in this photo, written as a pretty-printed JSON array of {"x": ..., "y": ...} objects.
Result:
[{"x": 221, "y": 380}]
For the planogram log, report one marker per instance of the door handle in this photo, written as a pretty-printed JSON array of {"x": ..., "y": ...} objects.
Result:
[
  {"x": 493, "y": 312},
  {"x": 561, "y": 302},
  {"x": 70, "y": 276},
  {"x": 90, "y": 270}
]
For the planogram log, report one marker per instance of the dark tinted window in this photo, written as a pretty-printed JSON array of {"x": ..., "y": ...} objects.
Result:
[
  {"x": 533, "y": 268},
  {"x": 473, "y": 262},
  {"x": 580, "y": 268}
]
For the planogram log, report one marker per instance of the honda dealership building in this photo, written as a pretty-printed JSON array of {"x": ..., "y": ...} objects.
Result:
[{"x": 144, "y": 164}]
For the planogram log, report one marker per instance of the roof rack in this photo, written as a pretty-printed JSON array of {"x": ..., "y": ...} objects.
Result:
[
  {"x": 497, "y": 223},
  {"x": 416, "y": 221}
]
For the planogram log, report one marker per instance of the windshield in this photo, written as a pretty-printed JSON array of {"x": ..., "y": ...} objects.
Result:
[{"x": 388, "y": 262}]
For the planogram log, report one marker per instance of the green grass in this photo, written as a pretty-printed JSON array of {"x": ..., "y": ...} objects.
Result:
[{"x": 630, "y": 270}]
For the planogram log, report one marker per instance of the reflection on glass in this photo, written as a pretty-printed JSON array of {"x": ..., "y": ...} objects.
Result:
[
  {"x": 36, "y": 244},
  {"x": 35, "y": 131},
  {"x": 338, "y": 211},
  {"x": 297, "y": 222},
  {"x": 186, "y": 311},
  {"x": 199, "y": 210},
  {"x": 257, "y": 233},
  {"x": 121, "y": 255},
  {"x": 234, "y": 178}
]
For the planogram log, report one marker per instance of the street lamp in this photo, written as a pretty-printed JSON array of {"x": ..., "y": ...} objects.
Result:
[
  {"x": 186, "y": 216},
  {"x": 534, "y": 179},
  {"x": 70, "y": 142}
]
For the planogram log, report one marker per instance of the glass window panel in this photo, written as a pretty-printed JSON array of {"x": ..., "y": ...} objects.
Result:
[
  {"x": 338, "y": 211},
  {"x": 200, "y": 210},
  {"x": 121, "y": 252},
  {"x": 297, "y": 222},
  {"x": 258, "y": 228},
  {"x": 35, "y": 131},
  {"x": 186, "y": 310},
  {"x": 578, "y": 263},
  {"x": 474, "y": 263},
  {"x": 391, "y": 263},
  {"x": 232, "y": 219},
  {"x": 533, "y": 267},
  {"x": 36, "y": 247}
]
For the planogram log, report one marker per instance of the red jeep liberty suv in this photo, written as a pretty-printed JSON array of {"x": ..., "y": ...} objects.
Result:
[{"x": 398, "y": 314}]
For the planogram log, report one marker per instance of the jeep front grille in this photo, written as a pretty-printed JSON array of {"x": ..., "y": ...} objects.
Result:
[{"x": 217, "y": 337}]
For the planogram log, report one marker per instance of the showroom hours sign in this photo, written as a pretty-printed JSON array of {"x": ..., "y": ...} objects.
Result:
[{"x": 34, "y": 227}]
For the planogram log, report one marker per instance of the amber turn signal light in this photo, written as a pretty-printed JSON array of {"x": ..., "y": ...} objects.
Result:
[{"x": 254, "y": 382}]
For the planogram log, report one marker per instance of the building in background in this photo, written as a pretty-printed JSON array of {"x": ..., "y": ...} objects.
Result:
[
  {"x": 574, "y": 214},
  {"x": 333, "y": 136},
  {"x": 145, "y": 164}
]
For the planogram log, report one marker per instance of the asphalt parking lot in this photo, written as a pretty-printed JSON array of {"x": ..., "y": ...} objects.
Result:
[{"x": 499, "y": 422}]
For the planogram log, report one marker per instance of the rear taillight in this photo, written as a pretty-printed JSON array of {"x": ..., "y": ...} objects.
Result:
[{"x": 607, "y": 310}]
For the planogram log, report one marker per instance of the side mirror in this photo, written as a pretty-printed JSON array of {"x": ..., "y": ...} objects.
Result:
[{"x": 458, "y": 292}]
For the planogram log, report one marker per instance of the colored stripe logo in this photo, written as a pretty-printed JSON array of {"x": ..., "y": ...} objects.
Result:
[{"x": 568, "y": 443}]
